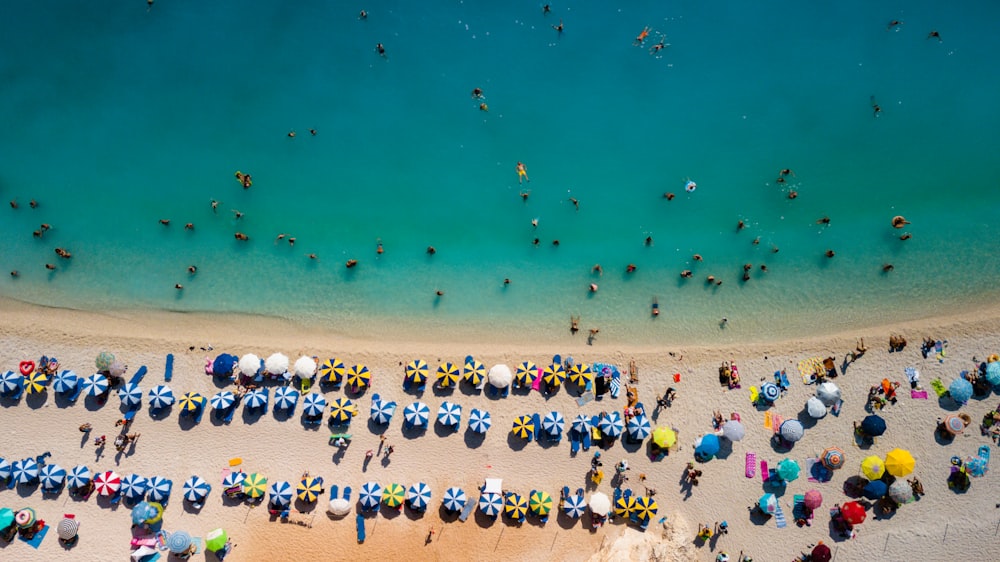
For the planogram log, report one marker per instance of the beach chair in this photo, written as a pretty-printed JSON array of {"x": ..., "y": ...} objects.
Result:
[
  {"x": 139, "y": 374},
  {"x": 359, "y": 523},
  {"x": 586, "y": 441},
  {"x": 537, "y": 423},
  {"x": 347, "y": 493},
  {"x": 333, "y": 492},
  {"x": 168, "y": 370},
  {"x": 574, "y": 443}
]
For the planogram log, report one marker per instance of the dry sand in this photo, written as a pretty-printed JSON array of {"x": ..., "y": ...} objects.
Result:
[{"x": 942, "y": 525}]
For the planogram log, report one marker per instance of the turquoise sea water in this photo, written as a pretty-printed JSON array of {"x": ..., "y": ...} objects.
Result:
[{"x": 116, "y": 117}]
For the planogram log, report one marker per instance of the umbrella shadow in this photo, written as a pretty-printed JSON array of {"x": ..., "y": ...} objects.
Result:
[
  {"x": 516, "y": 443},
  {"x": 413, "y": 432},
  {"x": 474, "y": 440},
  {"x": 725, "y": 449},
  {"x": 282, "y": 414},
  {"x": 854, "y": 485},
  {"x": 230, "y": 501},
  {"x": 304, "y": 506},
  {"x": 252, "y": 415},
  {"x": 36, "y": 400},
  {"x": 547, "y": 441},
  {"x": 757, "y": 515},
  {"x": 942, "y": 436},
  {"x": 564, "y": 521},
  {"x": 776, "y": 486},
  {"x": 25, "y": 490},
  {"x": 221, "y": 381},
  {"x": 377, "y": 428},
  {"x": 946, "y": 402},
  {"x": 413, "y": 514},
  {"x": 192, "y": 507},
  {"x": 468, "y": 389},
  {"x": 438, "y": 390},
  {"x": 781, "y": 445},
  {"x": 483, "y": 520},
  {"x": 884, "y": 509},
  {"x": 186, "y": 422},
  {"x": 94, "y": 403},
  {"x": 442, "y": 430},
  {"x": 160, "y": 413},
  {"x": 218, "y": 417},
  {"x": 631, "y": 445},
  {"x": 446, "y": 515},
  {"x": 390, "y": 512},
  {"x": 805, "y": 419},
  {"x": 9, "y": 401}
]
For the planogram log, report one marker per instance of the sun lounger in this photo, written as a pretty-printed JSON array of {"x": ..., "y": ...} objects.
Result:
[
  {"x": 586, "y": 441},
  {"x": 467, "y": 510},
  {"x": 168, "y": 371},
  {"x": 333, "y": 492},
  {"x": 359, "y": 522},
  {"x": 537, "y": 422},
  {"x": 574, "y": 443},
  {"x": 347, "y": 493}
]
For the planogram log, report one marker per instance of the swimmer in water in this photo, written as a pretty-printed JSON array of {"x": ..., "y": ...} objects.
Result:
[
  {"x": 192, "y": 269},
  {"x": 431, "y": 250},
  {"x": 886, "y": 268},
  {"x": 597, "y": 269},
  {"x": 50, "y": 267},
  {"x": 824, "y": 220},
  {"x": 378, "y": 248},
  {"x": 669, "y": 196},
  {"x": 484, "y": 107},
  {"x": 656, "y": 307},
  {"x": 477, "y": 93},
  {"x": 697, "y": 257},
  {"x": 641, "y": 37},
  {"x": 906, "y": 236},
  {"x": 189, "y": 226},
  {"x": 165, "y": 222},
  {"x": 312, "y": 132},
  {"x": 575, "y": 203},
  {"x": 215, "y": 206},
  {"x": 363, "y": 15},
  {"x": 934, "y": 34},
  {"x": 351, "y": 263},
  {"x": 829, "y": 253},
  {"x": 380, "y": 49},
  {"x": 741, "y": 225},
  {"x": 893, "y": 24},
  {"x": 559, "y": 27},
  {"x": 659, "y": 46},
  {"x": 876, "y": 109},
  {"x": 793, "y": 194},
  {"x": 787, "y": 172},
  {"x": 280, "y": 237},
  {"x": 522, "y": 173},
  {"x": 291, "y": 134}
]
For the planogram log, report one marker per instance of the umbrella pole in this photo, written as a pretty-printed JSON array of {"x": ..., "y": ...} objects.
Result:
[
  {"x": 556, "y": 536},
  {"x": 886, "y": 547},
  {"x": 945, "y": 532},
  {"x": 498, "y": 538}
]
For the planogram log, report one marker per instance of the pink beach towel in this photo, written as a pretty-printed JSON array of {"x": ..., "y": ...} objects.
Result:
[
  {"x": 537, "y": 384},
  {"x": 763, "y": 471},
  {"x": 918, "y": 394},
  {"x": 751, "y": 464}
]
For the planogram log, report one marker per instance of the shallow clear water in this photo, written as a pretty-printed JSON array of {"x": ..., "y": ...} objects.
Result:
[{"x": 116, "y": 117}]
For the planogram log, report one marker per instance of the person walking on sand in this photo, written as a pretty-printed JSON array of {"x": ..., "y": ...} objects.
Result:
[{"x": 522, "y": 173}]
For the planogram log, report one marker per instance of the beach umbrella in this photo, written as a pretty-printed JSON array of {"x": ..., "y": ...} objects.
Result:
[
  {"x": 178, "y": 542},
  {"x": 66, "y": 381},
  {"x": 216, "y": 540},
  {"x": 733, "y": 430},
  {"x": 540, "y": 503},
  {"x": 993, "y": 373},
  {"x": 490, "y": 504},
  {"x": 5, "y": 471},
  {"x": 639, "y": 428},
  {"x": 500, "y": 376},
  {"x": 104, "y": 360},
  {"x": 554, "y": 375},
  {"x": 447, "y": 374},
  {"x": 624, "y": 506},
  {"x": 6, "y": 517},
  {"x": 788, "y": 470},
  {"x": 813, "y": 499},
  {"x": 95, "y": 385},
  {"x": 117, "y": 369},
  {"x": 664, "y": 437},
  {"x": 285, "y": 398},
  {"x": 515, "y": 506},
  {"x": 11, "y": 382},
  {"x": 526, "y": 373},
  {"x": 872, "y": 467},
  {"x": 815, "y": 408},
  {"x": 874, "y": 489},
  {"x": 953, "y": 424},
  {"x": 899, "y": 462},
  {"x": 24, "y": 471},
  {"x": 792, "y": 430},
  {"x": 770, "y": 391},
  {"x": 832, "y": 458},
  {"x": 255, "y": 485},
  {"x": 449, "y": 414},
  {"x": 574, "y": 506},
  {"x": 416, "y": 414},
  {"x": 52, "y": 476},
  {"x": 130, "y": 394},
  {"x": 224, "y": 364},
  {"x": 371, "y": 495},
  {"x": 192, "y": 401},
  {"x": 873, "y": 425},
  {"x": 67, "y": 529},
  {"x": 828, "y": 392},
  {"x": 581, "y": 424},
  {"x": 249, "y": 365},
  {"x": 313, "y": 404},
  {"x": 25, "y": 518},
  {"x": 309, "y": 488},
  {"x": 768, "y": 503},
  {"x": 382, "y": 411},
  {"x": 339, "y": 507},
  {"x": 645, "y": 508},
  {"x": 35, "y": 382},
  {"x": 332, "y": 371},
  {"x": 393, "y": 494},
  {"x": 960, "y": 390},
  {"x": 611, "y": 424},
  {"x": 196, "y": 489},
  {"x": 600, "y": 503},
  {"x": 580, "y": 374},
  {"x": 280, "y": 492},
  {"x": 416, "y": 371},
  {"x": 820, "y": 553},
  {"x": 161, "y": 396},
  {"x": 708, "y": 446},
  {"x": 134, "y": 486},
  {"x": 223, "y": 400},
  {"x": 523, "y": 427},
  {"x": 479, "y": 420},
  {"x": 107, "y": 483},
  {"x": 143, "y": 512},
  {"x": 419, "y": 495},
  {"x": 305, "y": 367},
  {"x": 276, "y": 364},
  {"x": 553, "y": 424},
  {"x": 78, "y": 477},
  {"x": 454, "y": 499},
  {"x": 900, "y": 491},
  {"x": 474, "y": 372},
  {"x": 234, "y": 480},
  {"x": 159, "y": 489},
  {"x": 358, "y": 376}
]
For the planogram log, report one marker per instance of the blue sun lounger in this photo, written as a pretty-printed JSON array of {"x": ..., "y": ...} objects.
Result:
[
  {"x": 574, "y": 442},
  {"x": 139, "y": 374},
  {"x": 359, "y": 522},
  {"x": 168, "y": 371}
]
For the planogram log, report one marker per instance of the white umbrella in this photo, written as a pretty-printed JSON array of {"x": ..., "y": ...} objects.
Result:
[
  {"x": 276, "y": 364},
  {"x": 733, "y": 430},
  {"x": 305, "y": 367},
  {"x": 339, "y": 507},
  {"x": 500, "y": 376},
  {"x": 815, "y": 408},
  {"x": 600, "y": 503},
  {"x": 828, "y": 393},
  {"x": 249, "y": 365}
]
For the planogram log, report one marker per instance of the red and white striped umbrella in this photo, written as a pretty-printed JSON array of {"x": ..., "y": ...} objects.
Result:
[{"x": 107, "y": 483}]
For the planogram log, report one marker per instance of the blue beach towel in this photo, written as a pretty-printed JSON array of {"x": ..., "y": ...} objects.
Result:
[
  {"x": 779, "y": 517},
  {"x": 37, "y": 539},
  {"x": 168, "y": 371}
]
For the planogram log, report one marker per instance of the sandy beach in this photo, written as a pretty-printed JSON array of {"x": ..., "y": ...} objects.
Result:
[{"x": 940, "y": 525}]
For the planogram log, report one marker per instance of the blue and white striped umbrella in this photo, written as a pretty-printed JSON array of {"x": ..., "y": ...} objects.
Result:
[
  {"x": 313, "y": 405},
  {"x": 159, "y": 489},
  {"x": 52, "y": 476},
  {"x": 581, "y": 424},
  {"x": 454, "y": 499},
  {"x": 195, "y": 489},
  {"x": 449, "y": 414},
  {"x": 5, "y": 469},
  {"x": 11, "y": 382},
  {"x": 66, "y": 381},
  {"x": 79, "y": 476},
  {"x": 480, "y": 420},
  {"x": 371, "y": 495},
  {"x": 24, "y": 471},
  {"x": 382, "y": 411},
  {"x": 490, "y": 504},
  {"x": 134, "y": 487},
  {"x": 285, "y": 398},
  {"x": 554, "y": 423},
  {"x": 770, "y": 391},
  {"x": 281, "y": 492},
  {"x": 95, "y": 385},
  {"x": 234, "y": 479},
  {"x": 222, "y": 400},
  {"x": 639, "y": 427},
  {"x": 130, "y": 395},
  {"x": 611, "y": 424},
  {"x": 419, "y": 495},
  {"x": 161, "y": 396},
  {"x": 256, "y": 398},
  {"x": 416, "y": 414},
  {"x": 575, "y": 506}
]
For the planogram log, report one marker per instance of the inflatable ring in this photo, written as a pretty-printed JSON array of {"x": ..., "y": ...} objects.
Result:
[
  {"x": 690, "y": 186},
  {"x": 993, "y": 358},
  {"x": 956, "y": 461},
  {"x": 27, "y": 367},
  {"x": 23, "y": 518}
]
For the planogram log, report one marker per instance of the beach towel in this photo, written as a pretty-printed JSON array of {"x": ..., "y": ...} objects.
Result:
[
  {"x": 754, "y": 394},
  {"x": 584, "y": 398},
  {"x": 751, "y": 469},
  {"x": 768, "y": 420},
  {"x": 835, "y": 410},
  {"x": 616, "y": 383},
  {"x": 763, "y": 471},
  {"x": 778, "y": 420},
  {"x": 467, "y": 510},
  {"x": 137, "y": 377},
  {"x": 168, "y": 371},
  {"x": 918, "y": 394},
  {"x": 939, "y": 348},
  {"x": 938, "y": 387},
  {"x": 537, "y": 384},
  {"x": 779, "y": 517},
  {"x": 808, "y": 367},
  {"x": 37, "y": 539}
]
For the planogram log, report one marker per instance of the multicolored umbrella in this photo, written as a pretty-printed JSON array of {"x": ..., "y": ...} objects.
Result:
[
  {"x": 580, "y": 374},
  {"x": 788, "y": 470},
  {"x": 554, "y": 375},
  {"x": 639, "y": 427},
  {"x": 309, "y": 488},
  {"x": 35, "y": 382},
  {"x": 792, "y": 430},
  {"x": 416, "y": 371},
  {"x": 285, "y": 398},
  {"x": 11, "y": 382},
  {"x": 192, "y": 401},
  {"x": 624, "y": 506},
  {"x": 419, "y": 495},
  {"x": 832, "y": 457},
  {"x": 575, "y": 506},
  {"x": 515, "y": 506},
  {"x": 872, "y": 467},
  {"x": 490, "y": 504},
  {"x": 52, "y": 476},
  {"x": 733, "y": 430},
  {"x": 454, "y": 499},
  {"x": 853, "y": 513},
  {"x": 873, "y": 425},
  {"x": 131, "y": 395},
  {"x": 371, "y": 495},
  {"x": 382, "y": 410},
  {"x": 256, "y": 398},
  {"x": 770, "y": 391},
  {"x": 581, "y": 424},
  {"x": 161, "y": 396},
  {"x": 332, "y": 371},
  {"x": 960, "y": 390},
  {"x": 474, "y": 372},
  {"x": 611, "y": 424},
  {"x": 67, "y": 529},
  {"x": 24, "y": 471},
  {"x": 358, "y": 377},
  {"x": 134, "y": 486},
  {"x": 540, "y": 503},
  {"x": 196, "y": 489},
  {"x": 255, "y": 485},
  {"x": 178, "y": 542},
  {"x": 416, "y": 414},
  {"x": 523, "y": 427},
  {"x": 449, "y": 414},
  {"x": 280, "y": 492},
  {"x": 222, "y": 400},
  {"x": 104, "y": 360},
  {"x": 813, "y": 499},
  {"x": 645, "y": 508},
  {"x": 953, "y": 424},
  {"x": 159, "y": 489},
  {"x": 78, "y": 477},
  {"x": 664, "y": 437},
  {"x": 234, "y": 480},
  {"x": 393, "y": 495},
  {"x": 479, "y": 420},
  {"x": 553, "y": 423},
  {"x": 26, "y": 518},
  {"x": 526, "y": 373},
  {"x": 107, "y": 483},
  {"x": 313, "y": 405},
  {"x": 447, "y": 374},
  {"x": 95, "y": 385},
  {"x": 342, "y": 410},
  {"x": 899, "y": 462},
  {"x": 768, "y": 503},
  {"x": 900, "y": 491}
]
